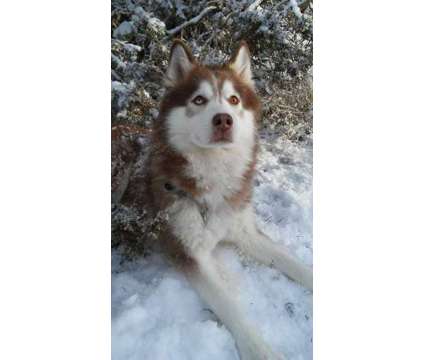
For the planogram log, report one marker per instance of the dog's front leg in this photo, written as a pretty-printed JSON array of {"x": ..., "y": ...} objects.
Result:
[
  {"x": 261, "y": 248},
  {"x": 209, "y": 279}
]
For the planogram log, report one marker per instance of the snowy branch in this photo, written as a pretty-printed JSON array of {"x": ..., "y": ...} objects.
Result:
[
  {"x": 254, "y": 5},
  {"x": 295, "y": 8},
  {"x": 304, "y": 5},
  {"x": 192, "y": 21}
]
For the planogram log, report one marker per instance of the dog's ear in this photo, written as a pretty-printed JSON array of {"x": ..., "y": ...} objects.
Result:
[
  {"x": 180, "y": 63},
  {"x": 240, "y": 63}
]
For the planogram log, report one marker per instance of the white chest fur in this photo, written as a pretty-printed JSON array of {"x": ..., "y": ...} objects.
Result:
[{"x": 219, "y": 172}]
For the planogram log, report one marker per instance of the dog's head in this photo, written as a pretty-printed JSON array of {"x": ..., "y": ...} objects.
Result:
[{"x": 209, "y": 106}]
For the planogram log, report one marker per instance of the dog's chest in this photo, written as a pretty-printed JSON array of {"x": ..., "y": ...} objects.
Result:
[{"x": 219, "y": 175}]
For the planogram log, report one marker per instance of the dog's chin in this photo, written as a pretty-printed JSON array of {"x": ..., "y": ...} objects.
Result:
[{"x": 212, "y": 144}]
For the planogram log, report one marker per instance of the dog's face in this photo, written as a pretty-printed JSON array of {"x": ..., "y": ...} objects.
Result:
[{"x": 209, "y": 107}]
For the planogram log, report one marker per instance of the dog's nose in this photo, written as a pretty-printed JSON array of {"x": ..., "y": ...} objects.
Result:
[{"x": 222, "y": 121}]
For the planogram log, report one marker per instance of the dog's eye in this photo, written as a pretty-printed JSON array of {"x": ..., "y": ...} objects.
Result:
[
  {"x": 199, "y": 100},
  {"x": 234, "y": 100}
]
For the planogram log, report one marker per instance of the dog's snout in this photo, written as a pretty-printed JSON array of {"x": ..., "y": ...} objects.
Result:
[
  {"x": 222, "y": 127},
  {"x": 222, "y": 121}
]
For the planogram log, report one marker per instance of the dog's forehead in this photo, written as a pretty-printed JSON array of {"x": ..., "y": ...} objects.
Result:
[
  {"x": 207, "y": 88},
  {"x": 227, "y": 87},
  {"x": 213, "y": 83}
]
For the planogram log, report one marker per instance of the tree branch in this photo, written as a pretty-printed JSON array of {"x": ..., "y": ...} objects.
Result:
[
  {"x": 303, "y": 6},
  {"x": 192, "y": 21},
  {"x": 254, "y": 5}
]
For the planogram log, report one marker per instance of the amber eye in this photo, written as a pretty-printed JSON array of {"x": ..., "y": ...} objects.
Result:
[
  {"x": 199, "y": 100},
  {"x": 234, "y": 100}
]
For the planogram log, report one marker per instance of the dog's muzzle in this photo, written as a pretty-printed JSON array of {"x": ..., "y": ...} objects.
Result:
[{"x": 222, "y": 125}]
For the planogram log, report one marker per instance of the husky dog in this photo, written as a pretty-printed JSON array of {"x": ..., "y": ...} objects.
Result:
[{"x": 200, "y": 171}]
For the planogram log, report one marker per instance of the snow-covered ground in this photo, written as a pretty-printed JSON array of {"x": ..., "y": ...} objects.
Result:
[{"x": 156, "y": 315}]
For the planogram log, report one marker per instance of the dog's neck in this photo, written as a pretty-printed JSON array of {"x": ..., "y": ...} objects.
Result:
[{"x": 224, "y": 174}]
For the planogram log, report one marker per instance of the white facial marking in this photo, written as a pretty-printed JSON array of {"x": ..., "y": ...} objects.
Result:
[
  {"x": 205, "y": 89},
  {"x": 217, "y": 167},
  {"x": 228, "y": 90},
  {"x": 191, "y": 127}
]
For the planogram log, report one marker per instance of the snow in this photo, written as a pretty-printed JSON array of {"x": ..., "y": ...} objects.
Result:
[
  {"x": 122, "y": 90},
  {"x": 157, "y": 315},
  {"x": 123, "y": 29},
  {"x": 296, "y": 9}
]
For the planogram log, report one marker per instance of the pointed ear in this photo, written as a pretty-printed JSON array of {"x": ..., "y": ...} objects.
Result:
[
  {"x": 180, "y": 63},
  {"x": 240, "y": 63}
]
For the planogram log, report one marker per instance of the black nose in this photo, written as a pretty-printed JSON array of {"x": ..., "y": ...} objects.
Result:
[{"x": 222, "y": 121}]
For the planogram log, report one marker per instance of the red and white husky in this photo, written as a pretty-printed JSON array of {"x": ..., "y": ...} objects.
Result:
[{"x": 200, "y": 171}]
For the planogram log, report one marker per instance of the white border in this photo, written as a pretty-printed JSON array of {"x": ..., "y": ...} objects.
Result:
[
  {"x": 368, "y": 180},
  {"x": 55, "y": 180}
]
